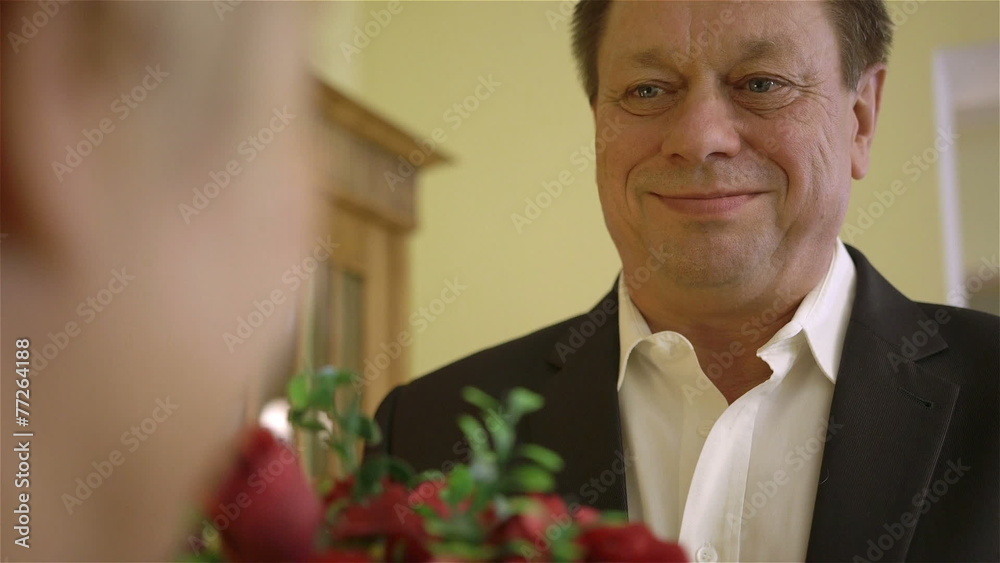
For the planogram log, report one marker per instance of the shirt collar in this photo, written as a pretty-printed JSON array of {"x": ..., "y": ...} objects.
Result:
[
  {"x": 632, "y": 326},
  {"x": 822, "y": 318}
]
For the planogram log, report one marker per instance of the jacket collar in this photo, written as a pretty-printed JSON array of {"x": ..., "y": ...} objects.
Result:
[
  {"x": 891, "y": 416},
  {"x": 580, "y": 420}
]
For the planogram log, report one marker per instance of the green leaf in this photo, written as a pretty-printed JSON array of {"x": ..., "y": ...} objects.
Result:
[
  {"x": 333, "y": 376},
  {"x": 565, "y": 549},
  {"x": 369, "y": 431},
  {"x": 474, "y": 433},
  {"x": 614, "y": 517},
  {"x": 480, "y": 399},
  {"x": 311, "y": 425},
  {"x": 298, "y": 391},
  {"x": 521, "y": 401},
  {"x": 462, "y": 527},
  {"x": 518, "y": 505},
  {"x": 399, "y": 471},
  {"x": 484, "y": 468},
  {"x": 324, "y": 486},
  {"x": 339, "y": 448},
  {"x": 428, "y": 475},
  {"x": 543, "y": 456},
  {"x": 503, "y": 439},
  {"x": 503, "y": 507},
  {"x": 321, "y": 399},
  {"x": 459, "y": 487},
  {"x": 350, "y": 424},
  {"x": 370, "y": 476},
  {"x": 531, "y": 479},
  {"x": 522, "y": 548},
  {"x": 463, "y": 550}
]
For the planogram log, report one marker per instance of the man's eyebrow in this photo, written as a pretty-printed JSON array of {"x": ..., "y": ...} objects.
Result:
[
  {"x": 649, "y": 58},
  {"x": 755, "y": 49},
  {"x": 749, "y": 50}
]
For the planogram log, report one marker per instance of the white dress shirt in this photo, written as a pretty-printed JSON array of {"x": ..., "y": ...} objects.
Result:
[{"x": 733, "y": 482}]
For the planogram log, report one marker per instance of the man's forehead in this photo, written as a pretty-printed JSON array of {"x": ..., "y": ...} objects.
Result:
[{"x": 649, "y": 33}]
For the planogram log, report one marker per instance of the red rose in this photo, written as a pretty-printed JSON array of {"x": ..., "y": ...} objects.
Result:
[
  {"x": 544, "y": 522},
  {"x": 633, "y": 542},
  {"x": 587, "y": 517},
  {"x": 341, "y": 556},
  {"x": 265, "y": 509},
  {"x": 341, "y": 490},
  {"x": 386, "y": 516}
]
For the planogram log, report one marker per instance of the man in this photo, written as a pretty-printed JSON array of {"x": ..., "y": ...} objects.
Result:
[
  {"x": 750, "y": 387},
  {"x": 136, "y": 235}
]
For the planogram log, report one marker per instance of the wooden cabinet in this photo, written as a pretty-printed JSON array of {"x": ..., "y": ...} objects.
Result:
[{"x": 359, "y": 306}]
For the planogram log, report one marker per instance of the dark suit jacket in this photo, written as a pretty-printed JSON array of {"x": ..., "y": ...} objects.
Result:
[{"x": 911, "y": 473}]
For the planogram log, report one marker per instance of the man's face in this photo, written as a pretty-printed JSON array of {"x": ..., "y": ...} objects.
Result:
[{"x": 731, "y": 138}]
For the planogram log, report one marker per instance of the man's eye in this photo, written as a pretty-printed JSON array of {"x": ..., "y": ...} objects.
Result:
[
  {"x": 761, "y": 85},
  {"x": 647, "y": 91}
]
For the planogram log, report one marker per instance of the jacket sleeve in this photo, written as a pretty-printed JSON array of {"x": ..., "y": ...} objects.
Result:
[{"x": 383, "y": 418}]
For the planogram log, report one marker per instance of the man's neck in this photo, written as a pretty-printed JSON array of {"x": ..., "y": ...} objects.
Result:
[{"x": 725, "y": 327}]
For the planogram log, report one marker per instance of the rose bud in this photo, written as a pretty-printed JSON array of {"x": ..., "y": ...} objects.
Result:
[
  {"x": 633, "y": 542},
  {"x": 266, "y": 509}
]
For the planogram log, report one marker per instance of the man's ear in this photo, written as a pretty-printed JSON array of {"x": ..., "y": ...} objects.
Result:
[{"x": 866, "y": 109}]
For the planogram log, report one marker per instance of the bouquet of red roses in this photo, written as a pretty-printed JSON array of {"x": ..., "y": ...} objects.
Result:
[{"x": 498, "y": 507}]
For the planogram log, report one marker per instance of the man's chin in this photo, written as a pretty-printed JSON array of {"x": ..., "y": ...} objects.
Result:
[{"x": 709, "y": 262}]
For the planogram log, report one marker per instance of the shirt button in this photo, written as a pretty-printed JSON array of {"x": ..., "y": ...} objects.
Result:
[
  {"x": 707, "y": 554},
  {"x": 705, "y": 428}
]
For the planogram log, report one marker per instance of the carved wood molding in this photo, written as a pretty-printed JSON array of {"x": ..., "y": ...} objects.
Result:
[{"x": 370, "y": 164}]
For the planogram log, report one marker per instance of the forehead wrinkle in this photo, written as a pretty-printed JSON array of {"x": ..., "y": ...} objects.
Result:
[
  {"x": 649, "y": 58},
  {"x": 750, "y": 50},
  {"x": 758, "y": 48},
  {"x": 779, "y": 49}
]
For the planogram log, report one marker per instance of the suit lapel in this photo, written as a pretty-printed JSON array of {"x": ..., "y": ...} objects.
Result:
[
  {"x": 580, "y": 419},
  {"x": 889, "y": 418}
]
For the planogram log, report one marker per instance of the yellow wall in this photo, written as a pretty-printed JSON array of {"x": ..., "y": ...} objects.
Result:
[
  {"x": 906, "y": 242},
  {"x": 531, "y": 128},
  {"x": 979, "y": 170}
]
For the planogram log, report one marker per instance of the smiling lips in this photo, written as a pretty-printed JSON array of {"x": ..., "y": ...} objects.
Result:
[{"x": 706, "y": 204}]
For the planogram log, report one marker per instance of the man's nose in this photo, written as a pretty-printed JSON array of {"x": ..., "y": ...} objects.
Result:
[{"x": 703, "y": 125}]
